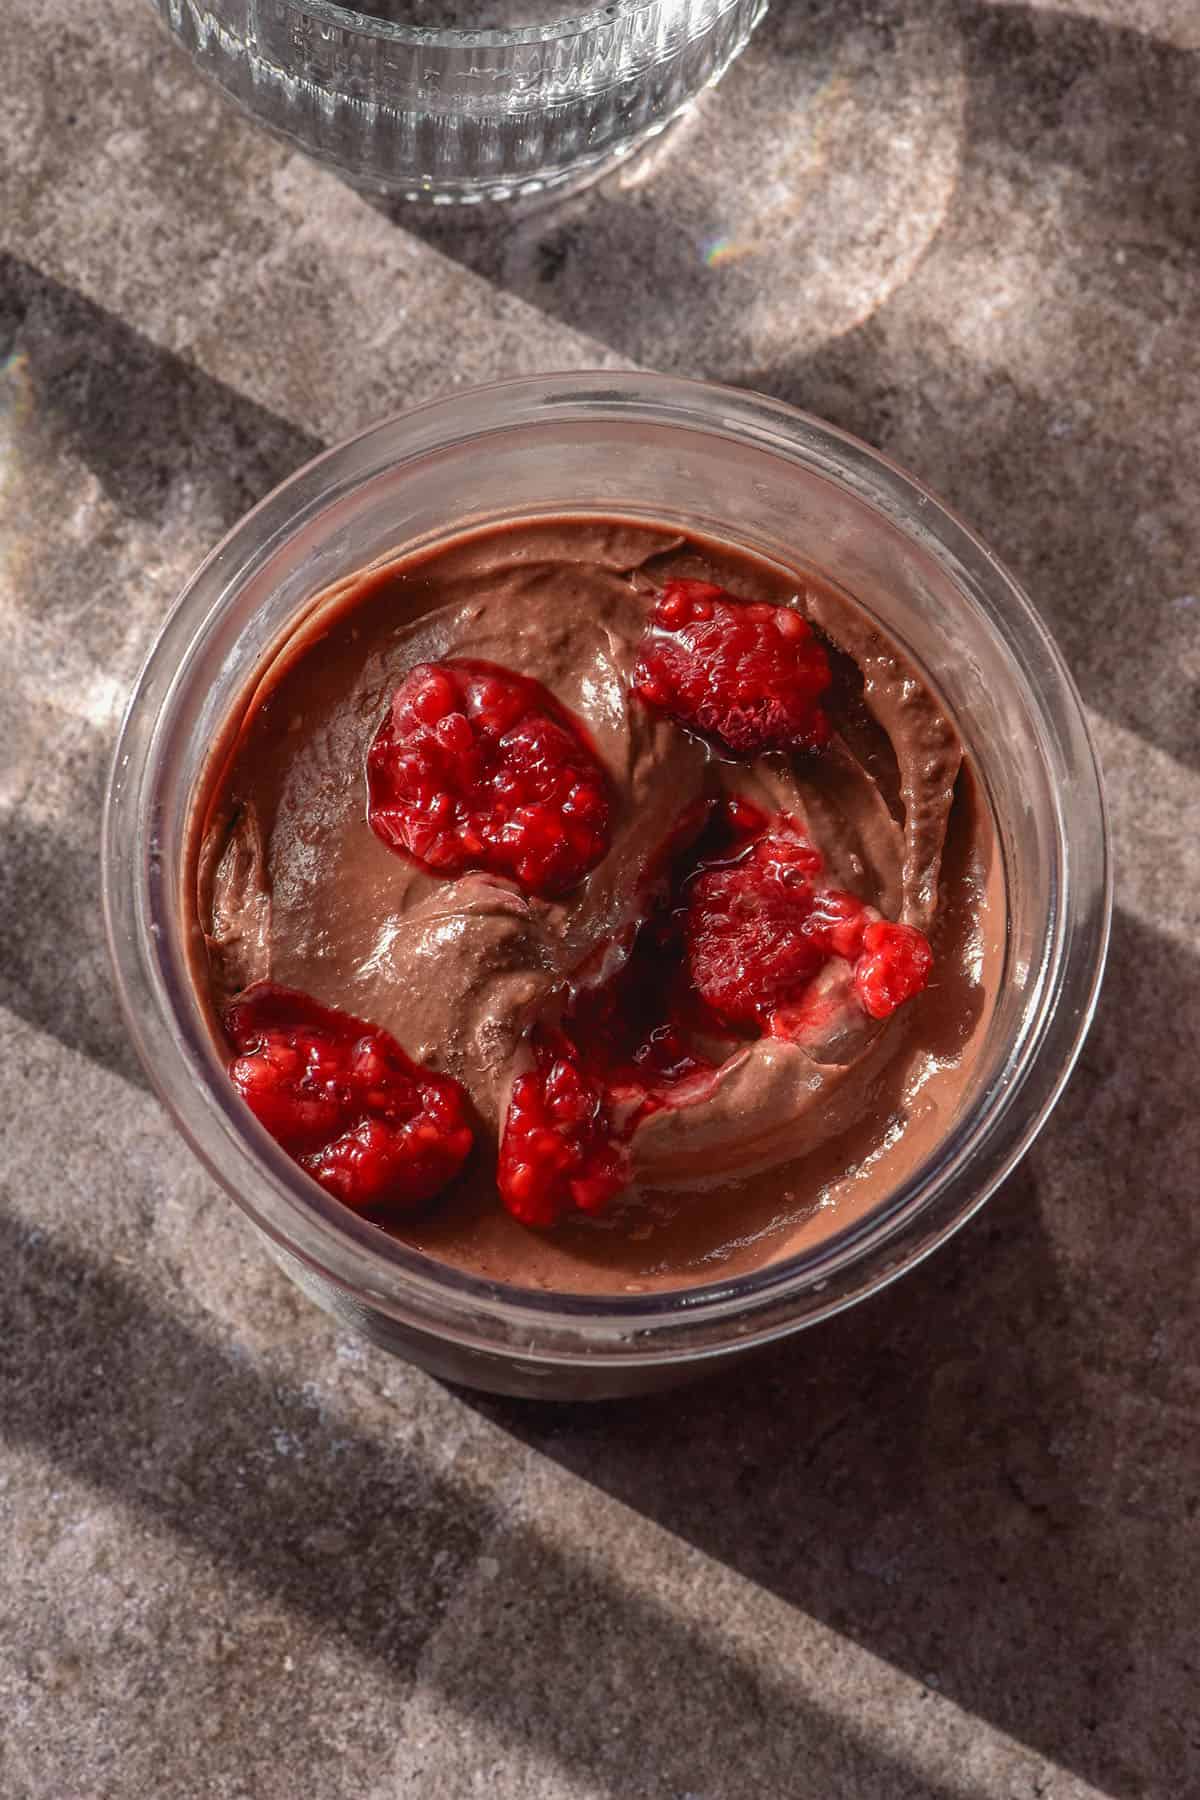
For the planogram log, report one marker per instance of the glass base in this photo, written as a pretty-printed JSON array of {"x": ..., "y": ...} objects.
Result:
[{"x": 460, "y": 118}]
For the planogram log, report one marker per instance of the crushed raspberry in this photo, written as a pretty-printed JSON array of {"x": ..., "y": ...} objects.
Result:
[
  {"x": 746, "y": 674},
  {"x": 623, "y": 1051},
  {"x": 343, "y": 1099},
  {"x": 895, "y": 964},
  {"x": 619, "y": 1056},
  {"x": 478, "y": 768},
  {"x": 557, "y": 1154},
  {"x": 740, "y": 926},
  {"x": 634, "y": 1030},
  {"x": 753, "y": 931},
  {"x": 757, "y": 929}
]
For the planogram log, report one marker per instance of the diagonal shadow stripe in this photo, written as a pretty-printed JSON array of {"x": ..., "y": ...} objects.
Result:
[
  {"x": 54, "y": 965},
  {"x": 135, "y": 1403},
  {"x": 170, "y": 450},
  {"x": 147, "y": 423}
]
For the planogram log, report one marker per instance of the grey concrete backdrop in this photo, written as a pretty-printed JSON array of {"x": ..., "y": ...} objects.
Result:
[{"x": 944, "y": 1547}]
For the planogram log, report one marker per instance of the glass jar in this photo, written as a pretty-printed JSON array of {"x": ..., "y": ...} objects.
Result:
[
  {"x": 733, "y": 465},
  {"x": 454, "y": 115}
]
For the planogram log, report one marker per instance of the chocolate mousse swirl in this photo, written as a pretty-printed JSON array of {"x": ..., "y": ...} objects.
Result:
[{"x": 294, "y": 886}]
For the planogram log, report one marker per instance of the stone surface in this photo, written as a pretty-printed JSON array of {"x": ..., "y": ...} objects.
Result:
[{"x": 944, "y": 1546}]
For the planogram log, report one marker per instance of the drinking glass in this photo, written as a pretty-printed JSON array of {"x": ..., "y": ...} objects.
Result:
[{"x": 465, "y": 100}]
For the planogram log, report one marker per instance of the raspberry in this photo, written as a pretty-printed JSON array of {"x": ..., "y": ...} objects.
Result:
[
  {"x": 557, "y": 1154},
  {"x": 342, "y": 1098},
  {"x": 753, "y": 933},
  {"x": 895, "y": 965},
  {"x": 478, "y": 768},
  {"x": 748, "y": 675},
  {"x": 758, "y": 929}
]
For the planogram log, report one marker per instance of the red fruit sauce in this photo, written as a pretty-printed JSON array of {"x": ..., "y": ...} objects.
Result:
[
  {"x": 478, "y": 768},
  {"x": 894, "y": 965}
]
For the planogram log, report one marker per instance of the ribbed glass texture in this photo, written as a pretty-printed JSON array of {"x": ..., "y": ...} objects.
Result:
[{"x": 462, "y": 115}]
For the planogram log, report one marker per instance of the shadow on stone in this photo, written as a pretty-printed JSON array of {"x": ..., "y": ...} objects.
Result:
[
  {"x": 54, "y": 971},
  {"x": 141, "y": 1406},
  {"x": 144, "y": 420},
  {"x": 150, "y": 428}
]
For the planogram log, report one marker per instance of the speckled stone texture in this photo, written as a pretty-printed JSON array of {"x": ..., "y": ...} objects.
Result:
[{"x": 944, "y": 1546}]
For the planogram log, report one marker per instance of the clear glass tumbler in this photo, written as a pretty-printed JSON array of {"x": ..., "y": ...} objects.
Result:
[
  {"x": 735, "y": 466},
  {"x": 402, "y": 98}
]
